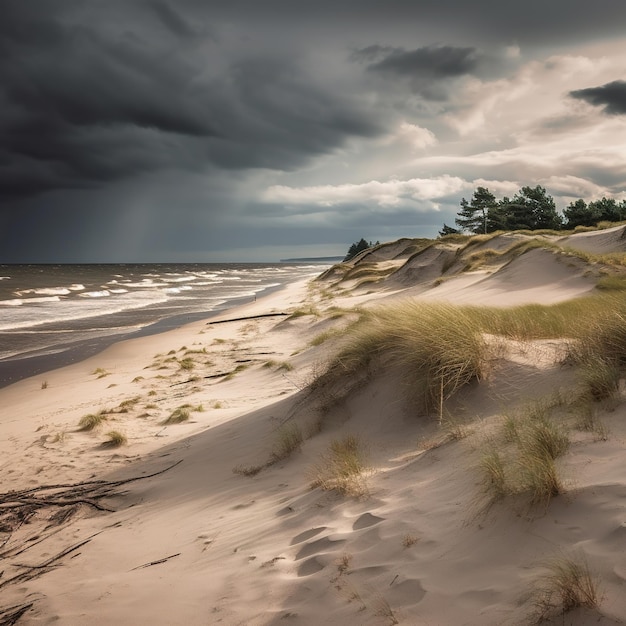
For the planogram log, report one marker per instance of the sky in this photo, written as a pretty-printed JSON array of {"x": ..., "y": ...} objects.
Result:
[{"x": 209, "y": 131}]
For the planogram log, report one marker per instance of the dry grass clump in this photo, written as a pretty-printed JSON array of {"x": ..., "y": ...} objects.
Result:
[
  {"x": 186, "y": 364},
  {"x": 525, "y": 462},
  {"x": 91, "y": 421},
  {"x": 567, "y": 584},
  {"x": 115, "y": 439},
  {"x": 342, "y": 468},
  {"x": 100, "y": 372},
  {"x": 289, "y": 438},
  {"x": 441, "y": 347},
  {"x": 177, "y": 416}
]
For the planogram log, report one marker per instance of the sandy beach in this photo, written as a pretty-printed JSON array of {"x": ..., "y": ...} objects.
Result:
[{"x": 229, "y": 523}]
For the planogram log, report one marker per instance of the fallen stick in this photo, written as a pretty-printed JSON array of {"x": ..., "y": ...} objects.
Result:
[
  {"x": 158, "y": 562},
  {"x": 249, "y": 317}
]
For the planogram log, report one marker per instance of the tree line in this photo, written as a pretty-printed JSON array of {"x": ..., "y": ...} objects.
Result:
[{"x": 531, "y": 208}]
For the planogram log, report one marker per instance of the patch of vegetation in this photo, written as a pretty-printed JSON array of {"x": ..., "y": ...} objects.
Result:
[
  {"x": 527, "y": 464},
  {"x": 115, "y": 439},
  {"x": 289, "y": 438},
  {"x": 90, "y": 421},
  {"x": 187, "y": 363},
  {"x": 567, "y": 584},
  {"x": 177, "y": 416},
  {"x": 441, "y": 347},
  {"x": 100, "y": 372},
  {"x": 342, "y": 468}
]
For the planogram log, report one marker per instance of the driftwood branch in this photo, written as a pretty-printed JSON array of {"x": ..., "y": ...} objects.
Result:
[
  {"x": 158, "y": 562},
  {"x": 249, "y": 317},
  {"x": 12, "y": 614}
]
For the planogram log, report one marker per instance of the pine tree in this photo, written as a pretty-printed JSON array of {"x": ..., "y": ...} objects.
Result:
[{"x": 473, "y": 215}]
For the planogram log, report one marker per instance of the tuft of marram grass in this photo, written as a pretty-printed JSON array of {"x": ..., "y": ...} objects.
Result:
[
  {"x": 441, "y": 347},
  {"x": 342, "y": 468},
  {"x": 91, "y": 421},
  {"x": 177, "y": 416},
  {"x": 115, "y": 439},
  {"x": 525, "y": 463},
  {"x": 289, "y": 438},
  {"x": 566, "y": 584}
]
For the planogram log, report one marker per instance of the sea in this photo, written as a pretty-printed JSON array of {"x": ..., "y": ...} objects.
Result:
[{"x": 54, "y": 315}]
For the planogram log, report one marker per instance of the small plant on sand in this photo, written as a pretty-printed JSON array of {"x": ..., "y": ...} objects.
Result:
[
  {"x": 342, "y": 468},
  {"x": 127, "y": 405},
  {"x": 566, "y": 584},
  {"x": 137, "y": 379},
  {"x": 44, "y": 384},
  {"x": 115, "y": 439},
  {"x": 409, "y": 540},
  {"x": 525, "y": 463},
  {"x": 186, "y": 364},
  {"x": 177, "y": 416},
  {"x": 343, "y": 563},
  {"x": 289, "y": 438},
  {"x": 100, "y": 372},
  {"x": 91, "y": 421}
]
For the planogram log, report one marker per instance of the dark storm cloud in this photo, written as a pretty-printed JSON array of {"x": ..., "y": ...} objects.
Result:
[
  {"x": 433, "y": 62},
  {"x": 611, "y": 96},
  {"x": 426, "y": 68},
  {"x": 172, "y": 20},
  {"x": 85, "y": 102}
]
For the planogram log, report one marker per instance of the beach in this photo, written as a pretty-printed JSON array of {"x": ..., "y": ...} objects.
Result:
[{"x": 211, "y": 514}]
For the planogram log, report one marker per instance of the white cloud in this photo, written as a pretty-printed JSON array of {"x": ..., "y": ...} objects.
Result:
[
  {"x": 417, "y": 137},
  {"x": 390, "y": 193}
]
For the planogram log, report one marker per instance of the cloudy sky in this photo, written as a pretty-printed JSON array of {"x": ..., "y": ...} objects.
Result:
[{"x": 201, "y": 130}]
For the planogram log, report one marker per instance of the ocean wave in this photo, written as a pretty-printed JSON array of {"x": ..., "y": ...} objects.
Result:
[
  {"x": 22, "y": 301},
  {"x": 96, "y": 294},
  {"x": 66, "y": 311}
]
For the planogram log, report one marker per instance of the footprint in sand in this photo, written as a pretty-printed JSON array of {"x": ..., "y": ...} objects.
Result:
[
  {"x": 366, "y": 520},
  {"x": 319, "y": 546},
  {"x": 307, "y": 534},
  {"x": 310, "y": 566}
]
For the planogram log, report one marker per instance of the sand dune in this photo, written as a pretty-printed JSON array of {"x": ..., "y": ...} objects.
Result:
[{"x": 232, "y": 531}]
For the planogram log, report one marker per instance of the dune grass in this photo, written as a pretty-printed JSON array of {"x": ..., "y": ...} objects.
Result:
[
  {"x": 524, "y": 461},
  {"x": 566, "y": 584},
  {"x": 91, "y": 421},
  {"x": 342, "y": 468},
  {"x": 115, "y": 439},
  {"x": 289, "y": 438},
  {"x": 178, "y": 416},
  {"x": 440, "y": 347}
]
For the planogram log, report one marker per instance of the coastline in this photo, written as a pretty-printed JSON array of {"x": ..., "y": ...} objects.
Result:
[
  {"x": 14, "y": 369},
  {"x": 206, "y": 518}
]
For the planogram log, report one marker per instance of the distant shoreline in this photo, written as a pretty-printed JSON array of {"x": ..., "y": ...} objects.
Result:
[{"x": 317, "y": 259}]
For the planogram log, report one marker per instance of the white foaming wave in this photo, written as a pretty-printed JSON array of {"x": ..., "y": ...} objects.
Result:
[
  {"x": 118, "y": 290},
  {"x": 179, "y": 279},
  {"x": 46, "y": 291},
  {"x": 5, "y": 278},
  {"x": 178, "y": 289},
  {"x": 68, "y": 310},
  {"x": 95, "y": 294},
  {"x": 21, "y": 302}
]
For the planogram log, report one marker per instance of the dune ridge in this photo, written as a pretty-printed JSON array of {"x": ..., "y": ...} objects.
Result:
[{"x": 434, "y": 502}]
